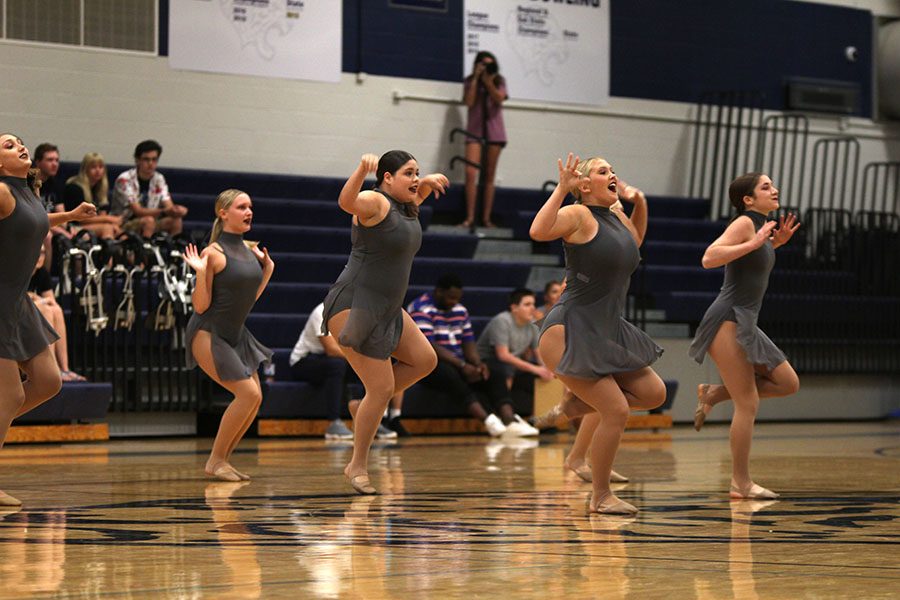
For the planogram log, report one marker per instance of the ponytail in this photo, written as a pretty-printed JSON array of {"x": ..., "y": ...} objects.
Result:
[{"x": 216, "y": 230}]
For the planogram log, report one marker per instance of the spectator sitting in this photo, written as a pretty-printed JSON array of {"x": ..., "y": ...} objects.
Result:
[
  {"x": 142, "y": 197},
  {"x": 41, "y": 292},
  {"x": 509, "y": 346},
  {"x": 460, "y": 370},
  {"x": 49, "y": 189},
  {"x": 318, "y": 359},
  {"x": 552, "y": 291},
  {"x": 91, "y": 185},
  {"x": 46, "y": 159}
]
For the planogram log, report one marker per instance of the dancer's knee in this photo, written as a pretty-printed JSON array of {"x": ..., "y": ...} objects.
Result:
[
  {"x": 791, "y": 384},
  {"x": 48, "y": 385},
  {"x": 381, "y": 392},
  {"x": 429, "y": 361},
  {"x": 657, "y": 396},
  {"x": 615, "y": 413},
  {"x": 746, "y": 408}
]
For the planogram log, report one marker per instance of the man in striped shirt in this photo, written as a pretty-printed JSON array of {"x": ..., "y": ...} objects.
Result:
[{"x": 460, "y": 371}]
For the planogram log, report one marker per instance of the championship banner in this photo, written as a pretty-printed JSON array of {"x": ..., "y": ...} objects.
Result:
[
  {"x": 294, "y": 39},
  {"x": 548, "y": 50}
]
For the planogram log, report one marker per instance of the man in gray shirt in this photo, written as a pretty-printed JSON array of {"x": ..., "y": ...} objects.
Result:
[{"x": 509, "y": 344}]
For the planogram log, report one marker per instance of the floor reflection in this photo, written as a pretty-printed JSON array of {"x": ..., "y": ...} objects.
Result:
[
  {"x": 33, "y": 551},
  {"x": 243, "y": 576}
]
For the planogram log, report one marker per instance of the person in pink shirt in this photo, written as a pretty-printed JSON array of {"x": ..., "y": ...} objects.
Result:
[{"x": 484, "y": 92}]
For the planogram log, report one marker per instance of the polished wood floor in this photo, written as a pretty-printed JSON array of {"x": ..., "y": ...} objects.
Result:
[{"x": 456, "y": 517}]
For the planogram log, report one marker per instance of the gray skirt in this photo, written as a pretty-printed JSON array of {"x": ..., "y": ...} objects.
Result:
[
  {"x": 24, "y": 332},
  {"x": 235, "y": 359},
  {"x": 596, "y": 347},
  {"x": 759, "y": 348},
  {"x": 373, "y": 328}
]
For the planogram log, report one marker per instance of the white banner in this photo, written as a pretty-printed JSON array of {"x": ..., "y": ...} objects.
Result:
[
  {"x": 295, "y": 39},
  {"x": 547, "y": 50}
]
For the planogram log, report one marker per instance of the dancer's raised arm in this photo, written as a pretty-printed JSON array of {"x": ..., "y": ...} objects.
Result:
[
  {"x": 364, "y": 205},
  {"x": 551, "y": 221},
  {"x": 736, "y": 241}
]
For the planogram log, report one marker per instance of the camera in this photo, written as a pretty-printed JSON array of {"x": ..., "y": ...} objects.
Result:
[{"x": 490, "y": 68}]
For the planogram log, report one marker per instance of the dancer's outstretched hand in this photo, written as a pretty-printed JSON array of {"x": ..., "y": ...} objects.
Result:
[
  {"x": 84, "y": 211},
  {"x": 194, "y": 260},
  {"x": 368, "y": 163},
  {"x": 568, "y": 175},
  {"x": 435, "y": 182},
  {"x": 786, "y": 228},
  {"x": 262, "y": 255},
  {"x": 628, "y": 193},
  {"x": 764, "y": 234}
]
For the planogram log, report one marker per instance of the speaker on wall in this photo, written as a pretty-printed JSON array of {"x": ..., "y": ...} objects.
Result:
[{"x": 822, "y": 95}]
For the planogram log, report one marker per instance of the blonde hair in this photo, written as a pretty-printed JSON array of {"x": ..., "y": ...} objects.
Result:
[
  {"x": 584, "y": 168},
  {"x": 99, "y": 194},
  {"x": 223, "y": 202}
]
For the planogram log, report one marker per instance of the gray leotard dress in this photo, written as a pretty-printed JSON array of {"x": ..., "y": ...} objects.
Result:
[
  {"x": 236, "y": 353},
  {"x": 739, "y": 300},
  {"x": 374, "y": 282},
  {"x": 24, "y": 332},
  {"x": 599, "y": 341}
]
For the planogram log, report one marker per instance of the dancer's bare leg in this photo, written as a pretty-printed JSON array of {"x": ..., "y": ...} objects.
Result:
[
  {"x": 247, "y": 399},
  {"x": 739, "y": 377},
  {"x": 18, "y": 397},
  {"x": 43, "y": 380},
  {"x": 607, "y": 399},
  {"x": 415, "y": 356},
  {"x": 239, "y": 435},
  {"x": 576, "y": 459},
  {"x": 777, "y": 383},
  {"x": 12, "y": 396},
  {"x": 377, "y": 378}
]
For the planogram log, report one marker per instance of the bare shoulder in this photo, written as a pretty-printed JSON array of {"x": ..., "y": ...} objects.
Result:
[
  {"x": 216, "y": 257},
  {"x": 7, "y": 201},
  {"x": 373, "y": 198},
  {"x": 741, "y": 229},
  {"x": 575, "y": 211}
]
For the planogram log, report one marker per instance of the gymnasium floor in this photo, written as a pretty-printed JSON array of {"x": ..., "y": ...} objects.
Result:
[{"x": 457, "y": 517}]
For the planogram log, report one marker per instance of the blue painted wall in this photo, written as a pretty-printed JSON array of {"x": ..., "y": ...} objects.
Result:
[{"x": 661, "y": 49}]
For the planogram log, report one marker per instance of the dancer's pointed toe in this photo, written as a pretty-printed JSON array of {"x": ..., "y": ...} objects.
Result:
[
  {"x": 362, "y": 485},
  {"x": 703, "y": 406},
  {"x": 751, "y": 492},
  {"x": 611, "y": 505},
  {"x": 8, "y": 501}
]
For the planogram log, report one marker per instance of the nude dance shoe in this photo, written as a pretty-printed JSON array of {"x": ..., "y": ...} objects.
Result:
[
  {"x": 754, "y": 492},
  {"x": 362, "y": 485},
  {"x": 550, "y": 418},
  {"x": 699, "y": 414},
  {"x": 613, "y": 507},
  {"x": 7, "y": 500},
  {"x": 226, "y": 472},
  {"x": 584, "y": 471}
]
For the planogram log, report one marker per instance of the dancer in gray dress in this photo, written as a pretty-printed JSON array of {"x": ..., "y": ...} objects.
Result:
[
  {"x": 25, "y": 336},
  {"x": 231, "y": 276},
  {"x": 751, "y": 366},
  {"x": 364, "y": 308},
  {"x": 602, "y": 358}
]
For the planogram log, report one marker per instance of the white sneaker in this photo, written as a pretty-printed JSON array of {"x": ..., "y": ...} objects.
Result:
[
  {"x": 519, "y": 428},
  {"x": 494, "y": 425},
  {"x": 384, "y": 433}
]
